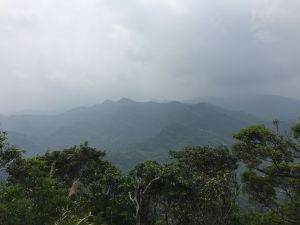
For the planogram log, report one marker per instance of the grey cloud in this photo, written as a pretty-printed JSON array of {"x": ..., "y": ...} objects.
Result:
[{"x": 58, "y": 54}]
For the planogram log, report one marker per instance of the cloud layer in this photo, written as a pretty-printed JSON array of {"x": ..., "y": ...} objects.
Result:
[{"x": 60, "y": 54}]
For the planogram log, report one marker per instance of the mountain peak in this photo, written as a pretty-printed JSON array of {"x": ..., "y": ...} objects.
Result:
[
  {"x": 126, "y": 100},
  {"x": 108, "y": 101}
]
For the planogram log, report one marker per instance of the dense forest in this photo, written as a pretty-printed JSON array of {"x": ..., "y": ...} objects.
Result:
[{"x": 256, "y": 181}]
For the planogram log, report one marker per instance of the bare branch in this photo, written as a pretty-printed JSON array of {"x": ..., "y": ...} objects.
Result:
[
  {"x": 148, "y": 186},
  {"x": 52, "y": 170},
  {"x": 83, "y": 219}
]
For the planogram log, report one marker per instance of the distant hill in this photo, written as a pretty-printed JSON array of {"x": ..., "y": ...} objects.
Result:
[
  {"x": 177, "y": 136},
  {"x": 267, "y": 107},
  {"x": 128, "y": 129}
]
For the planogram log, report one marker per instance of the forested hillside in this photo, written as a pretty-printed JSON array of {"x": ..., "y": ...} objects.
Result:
[
  {"x": 199, "y": 185},
  {"x": 145, "y": 129}
]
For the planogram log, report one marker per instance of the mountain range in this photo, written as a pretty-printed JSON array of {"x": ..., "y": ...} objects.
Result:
[
  {"x": 132, "y": 131},
  {"x": 267, "y": 107}
]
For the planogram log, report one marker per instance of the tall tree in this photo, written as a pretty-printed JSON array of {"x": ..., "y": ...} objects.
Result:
[
  {"x": 206, "y": 187},
  {"x": 143, "y": 179},
  {"x": 272, "y": 177}
]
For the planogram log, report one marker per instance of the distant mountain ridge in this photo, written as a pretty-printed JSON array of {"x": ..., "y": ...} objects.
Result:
[
  {"x": 268, "y": 107},
  {"x": 126, "y": 126}
]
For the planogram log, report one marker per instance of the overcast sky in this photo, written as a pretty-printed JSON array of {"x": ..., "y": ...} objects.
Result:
[{"x": 64, "y": 53}]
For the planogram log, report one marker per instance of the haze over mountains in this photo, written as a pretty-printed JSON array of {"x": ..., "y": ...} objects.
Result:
[
  {"x": 131, "y": 131},
  {"x": 268, "y": 107}
]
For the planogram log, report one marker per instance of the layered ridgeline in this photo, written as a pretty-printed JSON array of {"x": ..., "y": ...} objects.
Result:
[
  {"x": 266, "y": 106},
  {"x": 129, "y": 131}
]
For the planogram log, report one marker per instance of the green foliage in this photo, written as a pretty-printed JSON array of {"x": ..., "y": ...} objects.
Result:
[
  {"x": 30, "y": 196},
  {"x": 61, "y": 187},
  {"x": 208, "y": 187},
  {"x": 253, "y": 217},
  {"x": 296, "y": 130},
  {"x": 272, "y": 178},
  {"x": 76, "y": 162},
  {"x": 8, "y": 153},
  {"x": 197, "y": 186}
]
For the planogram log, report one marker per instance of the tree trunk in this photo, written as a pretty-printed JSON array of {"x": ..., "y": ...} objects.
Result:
[{"x": 138, "y": 220}]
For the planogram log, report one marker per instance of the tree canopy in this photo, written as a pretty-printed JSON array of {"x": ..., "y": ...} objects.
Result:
[{"x": 199, "y": 185}]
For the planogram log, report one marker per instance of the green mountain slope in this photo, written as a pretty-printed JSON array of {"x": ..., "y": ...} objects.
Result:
[{"x": 127, "y": 126}]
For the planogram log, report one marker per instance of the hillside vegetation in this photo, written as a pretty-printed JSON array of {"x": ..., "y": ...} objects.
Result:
[
  {"x": 145, "y": 129},
  {"x": 77, "y": 185}
]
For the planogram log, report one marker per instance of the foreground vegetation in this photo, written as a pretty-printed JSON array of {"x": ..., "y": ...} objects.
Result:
[{"x": 199, "y": 185}]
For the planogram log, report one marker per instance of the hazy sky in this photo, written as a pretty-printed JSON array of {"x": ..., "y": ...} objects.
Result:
[{"x": 66, "y": 53}]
